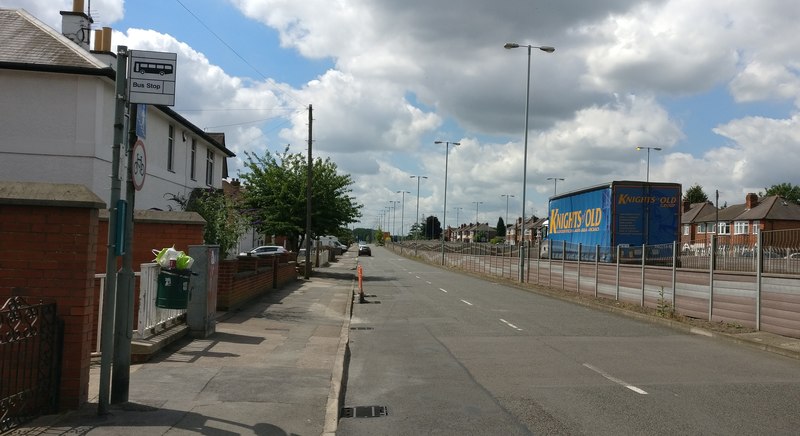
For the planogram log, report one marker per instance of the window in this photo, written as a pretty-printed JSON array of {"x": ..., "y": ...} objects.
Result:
[
  {"x": 701, "y": 228},
  {"x": 209, "y": 168},
  {"x": 171, "y": 148},
  {"x": 193, "y": 162},
  {"x": 724, "y": 228},
  {"x": 686, "y": 230},
  {"x": 741, "y": 227},
  {"x": 756, "y": 227}
]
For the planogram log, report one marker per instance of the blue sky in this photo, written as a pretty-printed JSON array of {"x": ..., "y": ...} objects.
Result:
[{"x": 715, "y": 84}]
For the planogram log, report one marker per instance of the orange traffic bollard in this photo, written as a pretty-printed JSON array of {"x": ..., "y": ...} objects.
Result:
[{"x": 361, "y": 284}]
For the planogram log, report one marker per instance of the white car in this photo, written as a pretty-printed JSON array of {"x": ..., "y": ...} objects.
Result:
[{"x": 266, "y": 250}]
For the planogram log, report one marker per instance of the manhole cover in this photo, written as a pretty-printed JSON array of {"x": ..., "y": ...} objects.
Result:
[{"x": 364, "y": 412}]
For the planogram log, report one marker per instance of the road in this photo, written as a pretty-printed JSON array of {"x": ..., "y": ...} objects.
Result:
[{"x": 447, "y": 353}]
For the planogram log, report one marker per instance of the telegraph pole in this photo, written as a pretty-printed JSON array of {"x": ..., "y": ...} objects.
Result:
[{"x": 308, "y": 197}]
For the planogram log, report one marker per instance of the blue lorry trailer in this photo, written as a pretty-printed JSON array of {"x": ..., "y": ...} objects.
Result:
[{"x": 625, "y": 213}]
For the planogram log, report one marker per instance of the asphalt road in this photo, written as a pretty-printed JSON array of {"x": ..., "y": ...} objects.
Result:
[{"x": 446, "y": 353}]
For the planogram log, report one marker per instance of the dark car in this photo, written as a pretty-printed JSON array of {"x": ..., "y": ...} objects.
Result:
[{"x": 364, "y": 250}]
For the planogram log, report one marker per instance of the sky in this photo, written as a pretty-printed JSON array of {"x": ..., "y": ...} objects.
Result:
[{"x": 714, "y": 84}]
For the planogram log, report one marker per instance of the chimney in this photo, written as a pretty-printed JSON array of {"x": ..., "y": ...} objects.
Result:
[
  {"x": 686, "y": 206},
  {"x": 76, "y": 25},
  {"x": 751, "y": 201},
  {"x": 102, "y": 47}
]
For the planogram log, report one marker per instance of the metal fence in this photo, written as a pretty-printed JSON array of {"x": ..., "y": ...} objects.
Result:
[
  {"x": 761, "y": 291},
  {"x": 31, "y": 338},
  {"x": 150, "y": 320}
]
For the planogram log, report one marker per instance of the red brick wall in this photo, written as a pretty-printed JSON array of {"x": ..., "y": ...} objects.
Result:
[
  {"x": 245, "y": 278},
  {"x": 152, "y": 230},
  {"x": 48, "y": 252}
]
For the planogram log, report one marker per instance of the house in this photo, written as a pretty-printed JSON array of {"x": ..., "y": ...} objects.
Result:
[
  {"x": 737, "y": 226},
  {"x": 57, "y": 116},
  {"x": 533, "y": 230}
]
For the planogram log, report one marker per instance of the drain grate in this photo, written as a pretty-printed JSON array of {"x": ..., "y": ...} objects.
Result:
[
  {"x": 361, "y": 328},
  {"x": 364, "y": 412}
]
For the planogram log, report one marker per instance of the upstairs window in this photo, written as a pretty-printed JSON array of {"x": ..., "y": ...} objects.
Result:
[
  {"x": 741, "y": 227},
  {"x": 209, "y": 168},
  {"x": 724, "y": 228},
  {"x": 171, "y": 149},
  {"x": 686, "y": 230},
  {"x": 193, "y": 162}
]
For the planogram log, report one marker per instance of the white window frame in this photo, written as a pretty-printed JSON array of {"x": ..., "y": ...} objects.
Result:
[
  {"x": 686, "y": 228},
  {"x": 724, "y": 228},
  {"x": 741, "y": 227},
  {"x": 209, "y": 167},
  {"x": 171, "y": 149},
  {"x": 756, "y": 227}
]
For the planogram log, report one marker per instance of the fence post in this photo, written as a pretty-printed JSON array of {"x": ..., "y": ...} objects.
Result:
[
  {"x": 580, "y": 250},
  {"x": 550, "y": 263},
  {"x": 674, "y": 275},
  {"x": 712, "y": 260},
  {"x": 563, "y": 264},
  {"x": 759, "y": 272},
  {"x": 644, "y": 256},
  {"x": 616, "y": 296},
  {"x": 596, "y": 269}
]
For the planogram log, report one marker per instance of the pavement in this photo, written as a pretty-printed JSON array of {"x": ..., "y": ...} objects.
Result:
[{"x": 275, "y": 367}]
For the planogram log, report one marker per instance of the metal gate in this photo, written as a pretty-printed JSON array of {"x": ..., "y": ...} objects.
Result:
[{"x": 31, "y": 338}]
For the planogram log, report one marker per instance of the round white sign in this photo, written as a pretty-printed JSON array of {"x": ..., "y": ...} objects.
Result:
[{"x": 139, "y": 165}]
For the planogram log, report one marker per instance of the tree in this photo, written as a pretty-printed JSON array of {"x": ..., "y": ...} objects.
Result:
[
  {"x": 501, "y": 227},
  {"x": 786, "y": 190},
  {"x": 695, "y": 194},
  {"x": 432, "y": 227},
  {"x": 224, "y": 221},
  {"x": 275, "y": 190}
]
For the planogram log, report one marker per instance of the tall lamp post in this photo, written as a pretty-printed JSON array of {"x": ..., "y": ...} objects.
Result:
[
  {"x": 444, "y": 216},
  {"x": 417, "y": 214},
  {"x": 403, "y": 212},
  {"x": 476, "y": 203},
  {"x": 546, "y": 49},
  {"x": 506, "y": 196},
  {"x": 555, "y": 183},
  {"x": 458, "y": 211},
  {"x": 648, "y": 158},
  {"x": 394, "y": 217}
]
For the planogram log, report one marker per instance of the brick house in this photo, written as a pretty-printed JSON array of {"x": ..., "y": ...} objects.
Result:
[{"x": 738, "y": 225}]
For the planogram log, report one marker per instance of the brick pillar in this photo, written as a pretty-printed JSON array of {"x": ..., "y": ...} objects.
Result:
[{"x": 49, "y": 237}]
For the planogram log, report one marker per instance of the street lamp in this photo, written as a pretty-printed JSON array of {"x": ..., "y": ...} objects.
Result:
[
  {"x": 648, "y": 158},
  {"x": 555, "y": 183},
  {"x": 402, "y": 212},
  {"x": 444, "y": 217},
  {"x": 476, "y": 203},
  {"x": 417, "y": 214},
  {"x": 458, "y": 211},
  {"x": 506, "y": 196},
  {"x": 546, "y": 49},
  {"x": 394, "y": 216}
]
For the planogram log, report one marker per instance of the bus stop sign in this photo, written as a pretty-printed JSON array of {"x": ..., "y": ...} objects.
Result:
[{"x": 151, "y": 77}]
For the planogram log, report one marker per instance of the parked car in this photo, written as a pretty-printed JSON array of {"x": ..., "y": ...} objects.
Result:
[
  {"x": 364, "y": 250},
  {"x": 266, "y": 250}
]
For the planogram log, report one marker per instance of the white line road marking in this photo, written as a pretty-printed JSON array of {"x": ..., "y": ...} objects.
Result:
[
  {"x": 511, "y": 325},
  {"x": 698, "y": 331},
  {"x": 442, "y": 290},
  {"x": 428, "y": 282},
  {"x": 418, "y": 277},
  {"x": 466, "y": 302},
  {"x": 615, "y": 380}
]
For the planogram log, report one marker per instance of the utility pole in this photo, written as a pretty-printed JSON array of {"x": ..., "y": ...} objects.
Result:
[
  {"x": 308, "y": 196},
  {"x": 109, "y": 293}
]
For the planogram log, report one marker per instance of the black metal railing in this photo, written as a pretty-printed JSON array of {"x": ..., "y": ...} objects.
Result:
[{"x": 31, "y": 338}]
